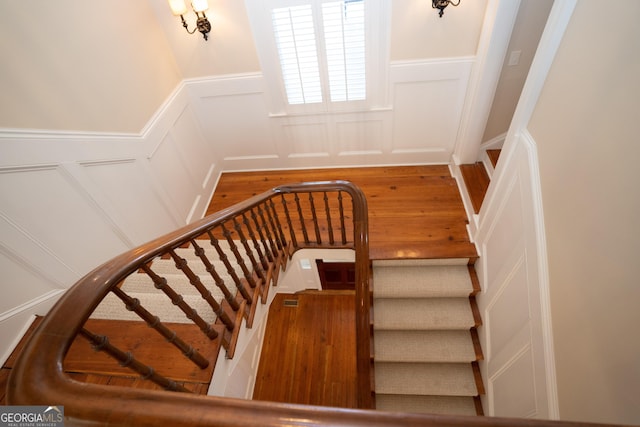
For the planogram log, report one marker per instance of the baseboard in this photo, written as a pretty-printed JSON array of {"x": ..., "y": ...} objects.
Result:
[
  {"x": 494, "y": 143},
  {"x": 472, "y": 217},
  {"x": 14, "y": 323}
]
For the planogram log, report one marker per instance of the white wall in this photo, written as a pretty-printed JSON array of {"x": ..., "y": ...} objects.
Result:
[
  {"x": 86, "y": 66},
  {"x": 418, "y": 31},
  {"x": 531, "y": 19},
  {"x": 229, "y": 50},
  {"x": 586, "y": 126},
  {"x": 71, "y": 201}
]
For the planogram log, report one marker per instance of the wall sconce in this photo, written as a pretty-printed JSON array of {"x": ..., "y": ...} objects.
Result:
[
  {"x": 441, "y": 4},
  {"x": 199, "y": 6}
]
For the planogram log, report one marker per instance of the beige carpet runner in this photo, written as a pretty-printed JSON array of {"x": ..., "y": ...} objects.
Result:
[
  {"x": 141, "y": 286},
  {"x": 423, "y": 341}
]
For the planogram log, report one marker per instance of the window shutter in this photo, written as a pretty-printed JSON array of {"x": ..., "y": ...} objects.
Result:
[
  {"x": 344, "y": 37},
  {"x": 296, "y": 41}
]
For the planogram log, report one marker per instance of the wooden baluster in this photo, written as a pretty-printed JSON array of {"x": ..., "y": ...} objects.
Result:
[
  {"x": 252, "y": 259},
  {"x": 126, "y": 359},
  {"x": 265, "y": 242},
  {"x": 275, "y": 247},
  {"x": 200, "y": 252},
  {"x": 178, "y": 300},
  {"x": 279, "y": 234},
  {"x": 342, "y": 226},
  {"x": 276, "y": 222},
  {"x": 133, "y": 304},
  {"x": 287, "y": 215},
  {"x": 314, "y": 217},
  {"x": 301, "y": 218},
  {"x": 252, "y": 235},
  {"x": 182, "y": 265},
  {"x": 234, "y": 249},
  {"x": 328, "y": 213},
  {"x": 232, "y": 272}
]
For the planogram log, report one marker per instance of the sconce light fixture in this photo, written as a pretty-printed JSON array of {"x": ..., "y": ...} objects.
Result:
[
  {"x": 441, "y": 4},
  {"x": 203, "y": 25}
]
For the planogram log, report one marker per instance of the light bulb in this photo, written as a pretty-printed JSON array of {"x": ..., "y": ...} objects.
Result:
[
  {"x": 178, "y": 7},
  {"x": 199, "y": 5}
]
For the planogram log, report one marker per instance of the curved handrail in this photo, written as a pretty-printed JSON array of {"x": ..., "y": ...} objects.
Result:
[{"x": 39, "y": 378}]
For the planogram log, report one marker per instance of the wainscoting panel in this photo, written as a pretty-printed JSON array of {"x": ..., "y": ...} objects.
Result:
[
  {"x": 519, "y": 367},
  {"x": 21, "y": 273},
  {"x": 428, "y": 98},
  {"x": 73, "y": 200},
  {"x": 358, "y": 137},
  {"x": 59, "y": 216},
  {"x": 235, "y": 120},
  {"x": 109, "y": 179},
  {"x": 180, "y": 184},
  {"x": 420, "y": 127},
  {"x": 308, "y": 139},
  {"x": 518, "y": 375}
]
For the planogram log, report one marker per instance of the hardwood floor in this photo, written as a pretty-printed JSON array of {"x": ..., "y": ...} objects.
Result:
[
  {"x": 477, "y": 181},
  {"x": 414, "y": 211},
  {"x": 84, "y": 364},
  {"x": 308, "y": 356}
]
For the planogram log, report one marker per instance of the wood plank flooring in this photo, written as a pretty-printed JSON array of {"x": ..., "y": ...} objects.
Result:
[
  {"x": 414, "y": 211},
  {"x": 477, "y": 181},
  {"x": 308, "y": 355}
]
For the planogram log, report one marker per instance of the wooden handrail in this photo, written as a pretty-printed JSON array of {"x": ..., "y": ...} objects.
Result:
[{"x": 39, "y": 377}]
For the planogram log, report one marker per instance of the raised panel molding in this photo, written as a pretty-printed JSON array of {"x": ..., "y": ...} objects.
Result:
[
  {"x": 420, "y": 128},
  {"x": 75, "y": 199},
  {"x": 513, "y": 386},
  {"x": 515, "y": 300}
]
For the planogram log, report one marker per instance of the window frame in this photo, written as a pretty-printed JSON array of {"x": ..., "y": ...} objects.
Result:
[{"x": 377, "y": 23}]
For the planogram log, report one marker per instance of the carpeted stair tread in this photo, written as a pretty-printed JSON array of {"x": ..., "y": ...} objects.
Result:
[
  {"x": 422, "y": 313},
  {"x": 141, "y": 283},
  {"x": 159, "y": 305},
  {"x": 441, "y": 379},
  {"x": 168, "y": 265},
  {"x": 422, "y": 281},
  {"x": 424, "y": 346},
  {"x": 443, "y": 405}
]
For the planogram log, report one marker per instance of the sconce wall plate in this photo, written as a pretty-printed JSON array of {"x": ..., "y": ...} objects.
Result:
[{"x": 442, "y": 4}]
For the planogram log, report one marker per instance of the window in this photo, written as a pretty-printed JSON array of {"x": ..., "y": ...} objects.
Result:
[
  {"x": 324, "y": 54},
  {"x": 296, "y": 41}
]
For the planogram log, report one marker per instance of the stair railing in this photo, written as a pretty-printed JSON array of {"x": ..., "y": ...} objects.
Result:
[
  {"x": 270, "y": 227},
  {"x": 243, "y": 248}
]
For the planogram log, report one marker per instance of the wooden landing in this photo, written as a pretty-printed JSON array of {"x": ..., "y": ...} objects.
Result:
[
  {"x": 309, "y": 350},
  {"x": 414, "y": 211}
]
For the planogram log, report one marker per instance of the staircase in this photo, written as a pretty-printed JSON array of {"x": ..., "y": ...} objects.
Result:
[
  {"x": 425, "y": 340},
  {"x": 141, "y": 286}
]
